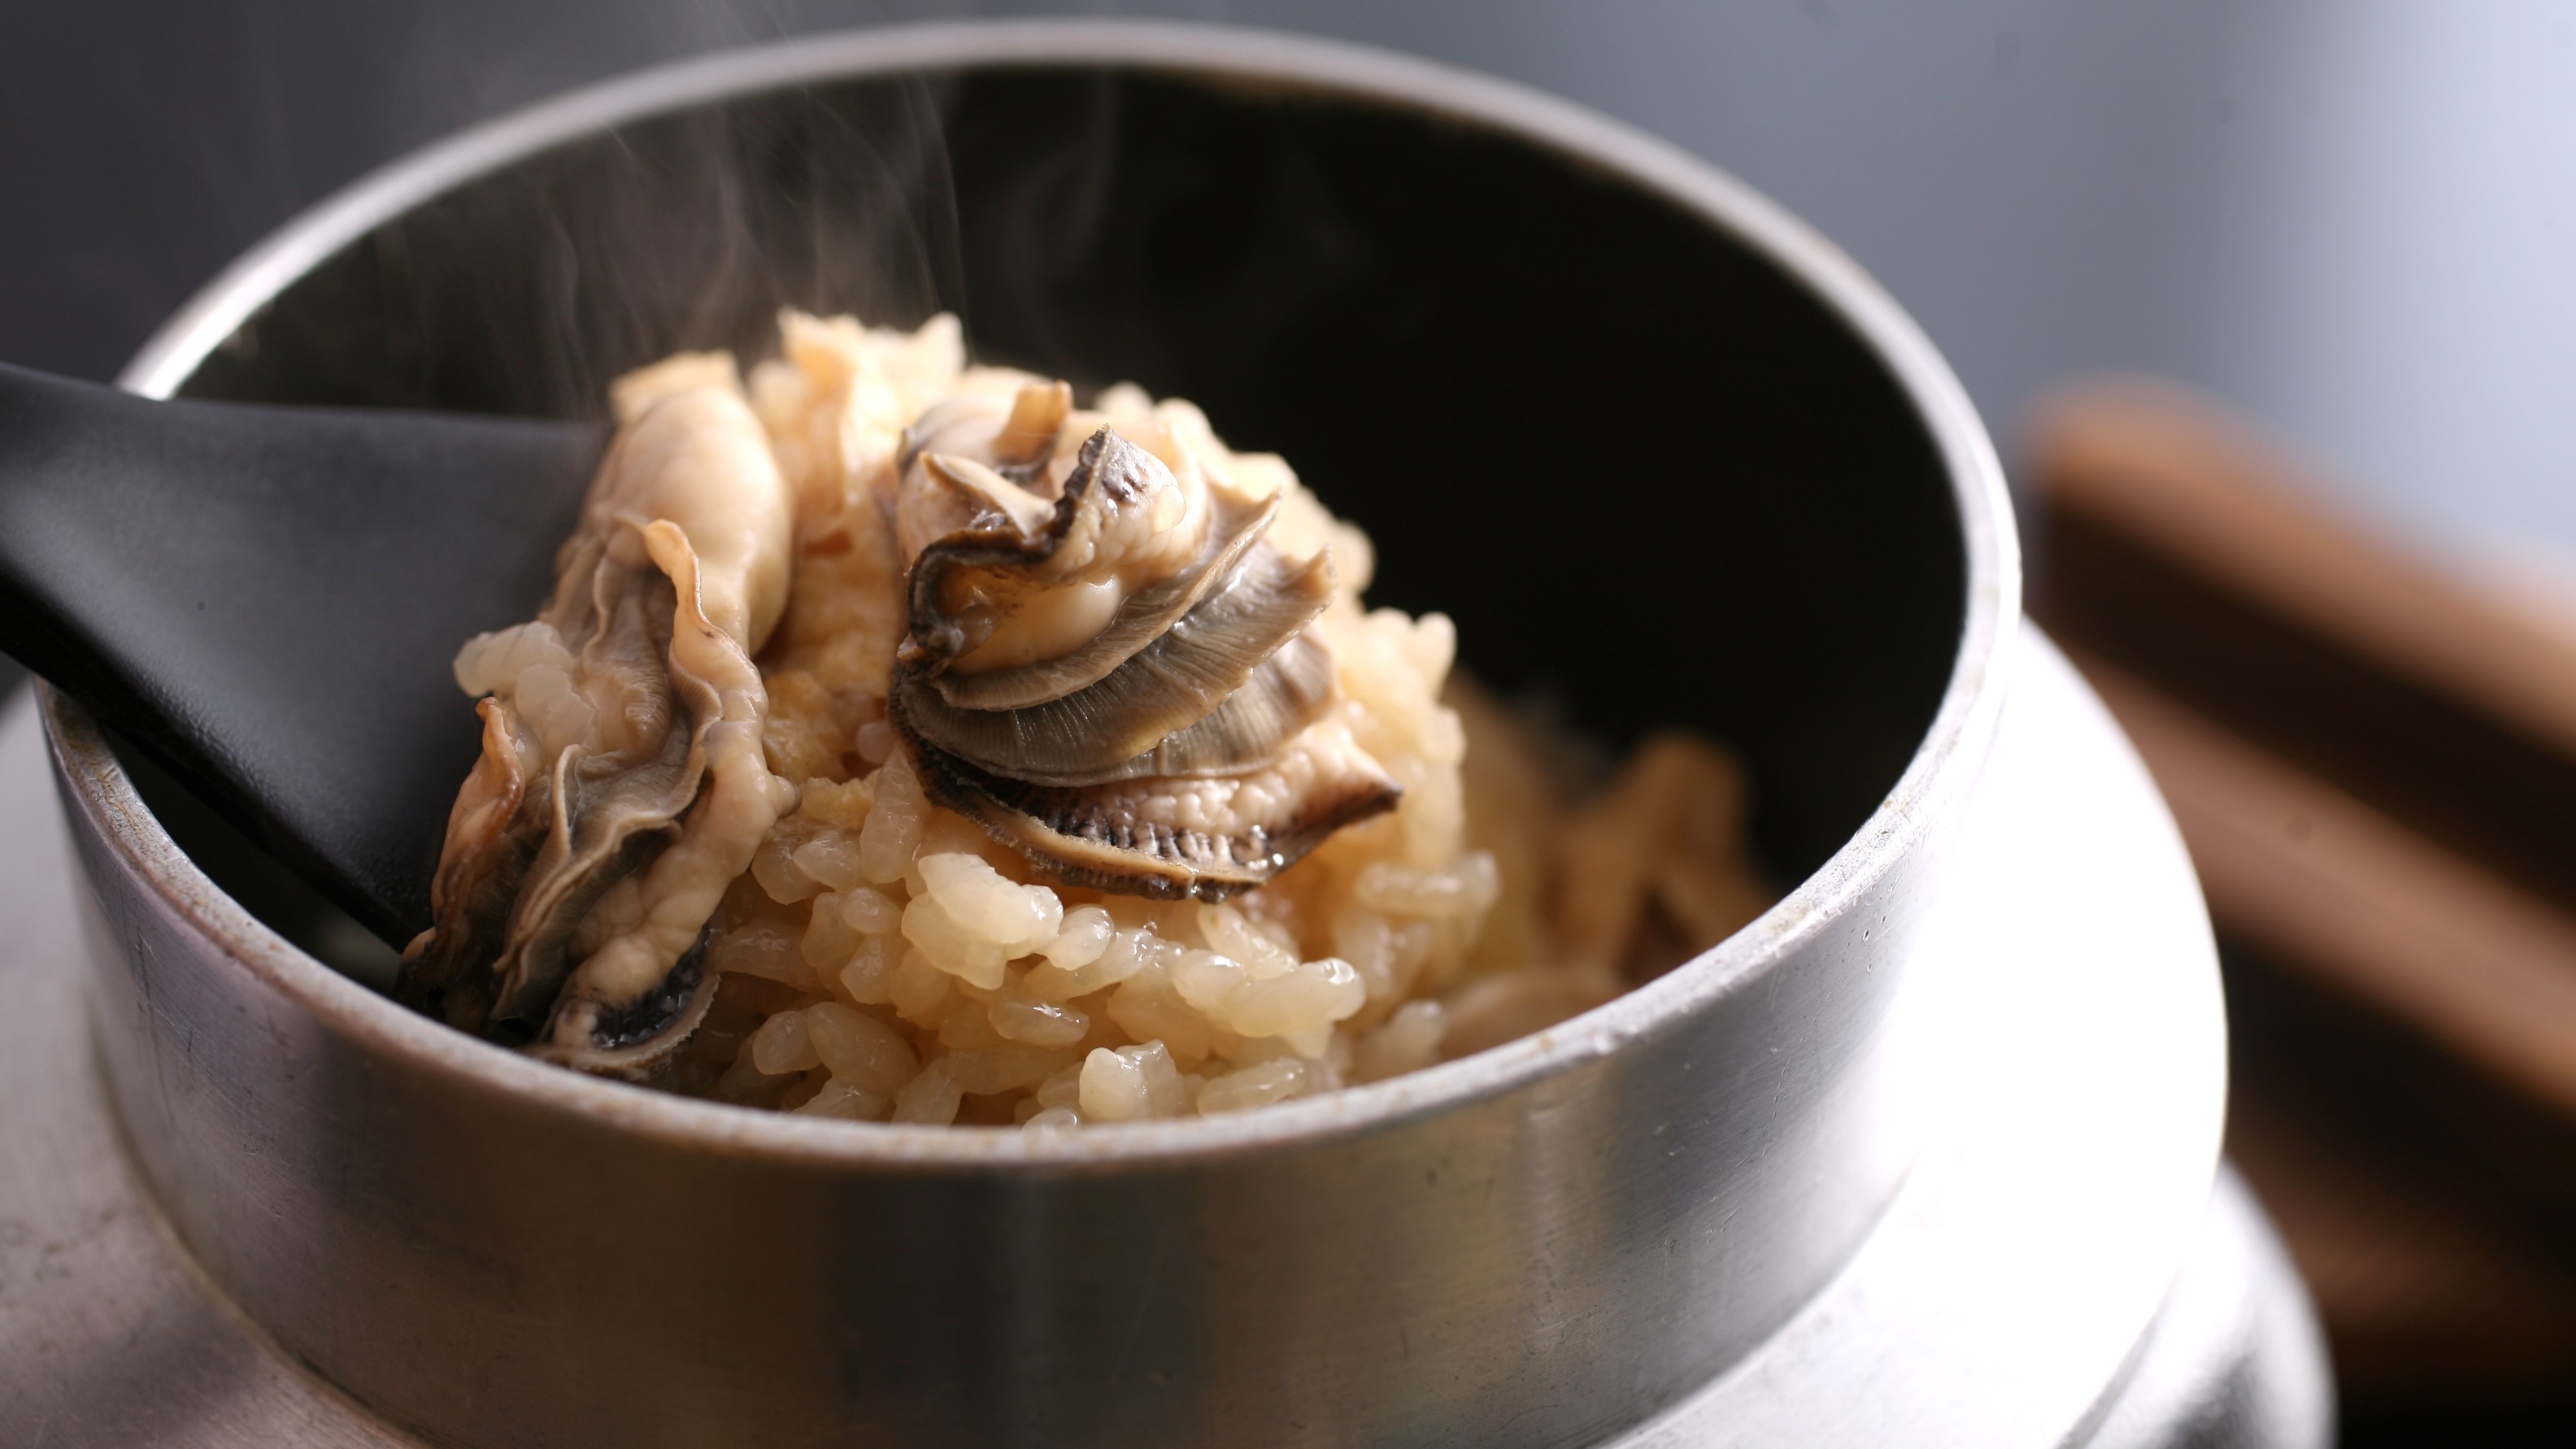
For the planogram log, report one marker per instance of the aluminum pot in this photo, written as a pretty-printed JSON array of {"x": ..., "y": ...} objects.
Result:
[{"x": 1664, "y": 454}]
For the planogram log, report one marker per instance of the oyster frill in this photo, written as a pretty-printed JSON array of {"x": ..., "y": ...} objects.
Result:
[
  {"x": 1109, "y": 666},
  {"x": 622, "y": 785}
]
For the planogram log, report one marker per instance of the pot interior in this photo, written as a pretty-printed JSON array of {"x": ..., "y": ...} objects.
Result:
[{"x": 1652, "y": 478}]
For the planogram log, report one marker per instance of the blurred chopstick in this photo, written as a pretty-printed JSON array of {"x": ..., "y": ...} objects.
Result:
[
  {"x": 2177, "y": 477},
  {"x": 2174, "y": 545},
  {"x": 2322, "y": 882}
]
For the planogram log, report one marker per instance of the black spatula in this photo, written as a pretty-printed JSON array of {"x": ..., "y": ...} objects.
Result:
[{"x": 267, "y": 599}]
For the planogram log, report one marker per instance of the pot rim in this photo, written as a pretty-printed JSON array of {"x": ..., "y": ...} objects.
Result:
[{"x": 1943, "y": 764}]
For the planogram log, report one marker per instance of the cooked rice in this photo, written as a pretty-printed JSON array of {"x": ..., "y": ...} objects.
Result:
[{"x": 886, "y": 960}]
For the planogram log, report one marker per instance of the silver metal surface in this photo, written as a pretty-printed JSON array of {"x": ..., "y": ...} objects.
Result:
[
  {"x": 2069, "y": 1072},
  {"x": 2236, "y": 1359},
  {"x": 2067, "y": 1154},
  {"x": 1541, "y": 1244}
]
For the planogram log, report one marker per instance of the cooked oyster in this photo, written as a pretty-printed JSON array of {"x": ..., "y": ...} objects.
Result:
[
  {"x": 621, "y": 786},
  {"x": 1174, "y": 839},
  {"x": 1109, "y": 665}
]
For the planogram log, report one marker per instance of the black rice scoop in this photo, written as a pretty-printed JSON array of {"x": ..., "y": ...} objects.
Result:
[{"x": 266, "y": 601}]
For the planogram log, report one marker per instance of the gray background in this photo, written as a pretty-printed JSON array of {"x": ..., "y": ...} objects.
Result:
[{"x": 2355, "y": 220}]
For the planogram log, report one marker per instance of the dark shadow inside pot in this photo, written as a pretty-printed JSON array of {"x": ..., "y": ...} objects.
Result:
[{"x": 1645, "y": 471}]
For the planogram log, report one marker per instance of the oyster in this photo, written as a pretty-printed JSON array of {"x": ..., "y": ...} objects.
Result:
[
  {"x": 622, "y": 785},
  {"x": 1109, "y": 666}
]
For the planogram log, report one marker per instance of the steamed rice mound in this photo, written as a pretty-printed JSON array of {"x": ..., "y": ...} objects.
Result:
[{"x": 885, "y": 959}]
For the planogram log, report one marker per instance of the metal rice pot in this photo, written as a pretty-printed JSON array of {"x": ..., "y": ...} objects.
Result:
[{"x": 1664, "y": 455}]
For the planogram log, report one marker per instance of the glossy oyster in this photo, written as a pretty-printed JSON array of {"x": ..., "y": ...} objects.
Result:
[
  {"x": 622, "y": 785},
  {"x": 1109, "y": 666}
]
